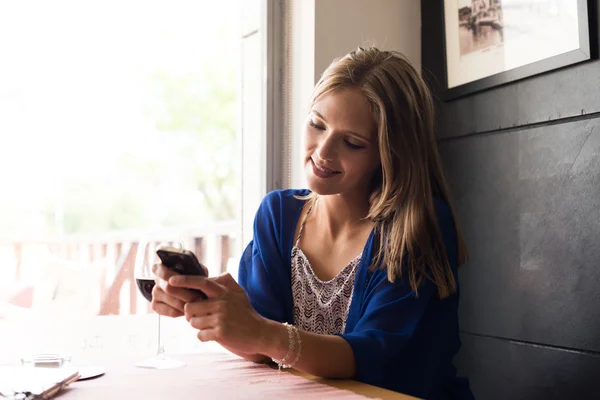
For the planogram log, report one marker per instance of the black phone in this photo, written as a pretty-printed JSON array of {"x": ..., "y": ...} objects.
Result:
[{"x": 182, "y": 261}]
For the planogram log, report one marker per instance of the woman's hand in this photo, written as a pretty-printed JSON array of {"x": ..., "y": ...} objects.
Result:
[
  {"x": 166, "y": 299},
  {"x": 226, "y": 317}
]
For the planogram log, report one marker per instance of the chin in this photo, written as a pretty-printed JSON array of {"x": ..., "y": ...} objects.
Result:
[
  {"x": 320, "y": 186},
  {"x": 322, "y": 190}
]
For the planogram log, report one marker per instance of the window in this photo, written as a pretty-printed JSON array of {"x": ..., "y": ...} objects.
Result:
[{"x": 126, "y": 122}]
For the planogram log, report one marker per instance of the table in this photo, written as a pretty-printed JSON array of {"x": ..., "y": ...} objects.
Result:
[{"x": 117, "y": 342}]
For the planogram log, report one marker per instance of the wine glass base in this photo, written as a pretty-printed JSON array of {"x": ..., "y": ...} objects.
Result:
[{"x": 160, "y": 362}]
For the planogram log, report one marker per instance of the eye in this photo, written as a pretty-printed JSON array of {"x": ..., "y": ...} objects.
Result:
[
  {"x": 352, "y": 145},
  {"x": 314, "y": 125}
]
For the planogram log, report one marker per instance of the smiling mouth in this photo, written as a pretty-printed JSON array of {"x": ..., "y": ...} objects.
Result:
[{"x": 323, "y": 172}]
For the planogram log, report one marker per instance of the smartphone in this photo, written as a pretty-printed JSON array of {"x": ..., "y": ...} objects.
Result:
[{"x": 181, "y": 261}]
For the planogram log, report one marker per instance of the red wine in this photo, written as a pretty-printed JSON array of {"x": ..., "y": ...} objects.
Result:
[{"x": 145, "y": 286}]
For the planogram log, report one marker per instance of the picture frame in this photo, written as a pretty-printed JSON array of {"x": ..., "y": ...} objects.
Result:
[{"x": 489, "y": 43}]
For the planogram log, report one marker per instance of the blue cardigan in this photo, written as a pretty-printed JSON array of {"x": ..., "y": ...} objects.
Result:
[{"x": 400, "y": 342}]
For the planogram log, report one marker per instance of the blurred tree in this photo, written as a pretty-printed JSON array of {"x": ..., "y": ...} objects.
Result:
[
  {"x": 151, "y": 139},
  {"x": 199, "y": 108},
  {"x": 180, "y": 174}
]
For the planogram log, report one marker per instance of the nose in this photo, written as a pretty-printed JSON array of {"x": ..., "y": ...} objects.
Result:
[{"x": 326, "y": 148}]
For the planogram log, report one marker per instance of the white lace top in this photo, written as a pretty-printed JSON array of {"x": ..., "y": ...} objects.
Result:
[{"x": 320, "y": 306}]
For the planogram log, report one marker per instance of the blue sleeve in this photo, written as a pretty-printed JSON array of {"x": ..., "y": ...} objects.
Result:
[
  {"x": 253, "y": 278},
  {"x": 394, "y": 319},
  {"x": 389, "y": 321},
  {"x": 259, "y": 267}
]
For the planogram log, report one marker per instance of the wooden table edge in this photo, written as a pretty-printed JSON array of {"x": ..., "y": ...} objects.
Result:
[{"x": 356, "y": 387}]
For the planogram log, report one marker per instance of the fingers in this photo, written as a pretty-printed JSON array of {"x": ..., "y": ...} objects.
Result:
[
  {"x": 185, "y": 295},
  {"x": 227, "y": 281},
  {"x": 166, "y": 310},
  {"x": 163, "y": 274},
  {"x": 204, "y": 323},
  {"x": 211, "y": 288},
  {"x": 203, "y": 308},
  {"x": 159, "y": 297},
  {"x": 206, "y": 335}
]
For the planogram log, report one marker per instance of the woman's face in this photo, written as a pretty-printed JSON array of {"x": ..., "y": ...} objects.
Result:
[{"x": 341, "y": 151}]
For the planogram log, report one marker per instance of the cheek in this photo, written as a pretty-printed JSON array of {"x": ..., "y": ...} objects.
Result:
[
  {"x": 363, "y": 165},
  {"x": 310, "y": 141}
]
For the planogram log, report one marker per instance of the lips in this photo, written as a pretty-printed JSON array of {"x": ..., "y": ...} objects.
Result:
[{"x": 322, "y": 171}]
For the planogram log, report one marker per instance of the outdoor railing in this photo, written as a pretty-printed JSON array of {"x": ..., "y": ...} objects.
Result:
[{"x": 108, "y": 259}]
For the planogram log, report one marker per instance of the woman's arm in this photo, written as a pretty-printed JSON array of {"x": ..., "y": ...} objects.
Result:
[
  {"x": 228, "y": 318},
  {"x": 326, "y": 356}
]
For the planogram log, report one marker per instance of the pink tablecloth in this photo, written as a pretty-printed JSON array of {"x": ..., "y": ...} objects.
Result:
[
  {"x": 116, "y": 343},
  {"x": 206, "y": 376}
]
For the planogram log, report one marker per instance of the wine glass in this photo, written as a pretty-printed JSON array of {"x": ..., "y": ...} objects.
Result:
[{"x": 144, "y": 278}]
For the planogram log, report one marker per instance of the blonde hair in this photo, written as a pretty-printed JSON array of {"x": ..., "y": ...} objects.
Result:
[{"x": 401, "y": 198}]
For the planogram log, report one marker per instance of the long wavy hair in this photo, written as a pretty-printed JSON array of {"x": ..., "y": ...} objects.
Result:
[{"x": 402, "y": 191}]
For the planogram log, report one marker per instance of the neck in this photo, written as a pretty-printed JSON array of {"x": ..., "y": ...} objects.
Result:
[{"x": 339, "y": 212}]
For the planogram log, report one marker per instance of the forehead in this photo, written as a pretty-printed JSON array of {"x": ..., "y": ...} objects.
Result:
[{"x": 346, "y": 109}]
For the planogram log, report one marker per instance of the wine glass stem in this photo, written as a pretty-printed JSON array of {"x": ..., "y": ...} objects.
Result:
[{"x": 160, "y": 349}]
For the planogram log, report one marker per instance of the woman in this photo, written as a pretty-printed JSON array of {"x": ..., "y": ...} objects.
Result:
[{"x": 357, "y": 276}]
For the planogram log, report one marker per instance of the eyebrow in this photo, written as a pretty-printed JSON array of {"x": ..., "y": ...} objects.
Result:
[{"x": 318, "y": 114}]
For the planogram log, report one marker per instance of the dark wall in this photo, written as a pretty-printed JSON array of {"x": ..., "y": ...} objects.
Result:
[{"x": 523, "y": 162}]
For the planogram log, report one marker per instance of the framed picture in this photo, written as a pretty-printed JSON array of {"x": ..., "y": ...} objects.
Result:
[{"x": 492, "y": 42}]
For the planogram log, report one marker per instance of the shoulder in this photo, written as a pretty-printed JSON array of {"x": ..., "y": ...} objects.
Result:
[
  {"x": 275, "y": 220},
  {"x": 282, "y": 200},
  {"x": 445, "y": 225},
  {"x": 279, "y": 208},
  {"x": 284, "y": 194}
]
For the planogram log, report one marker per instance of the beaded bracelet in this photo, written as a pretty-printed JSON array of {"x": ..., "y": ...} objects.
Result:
[
  {"x": 299, "y": 347},
  {"x": 291, "y": 345}
]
